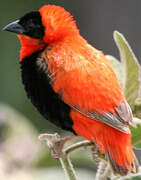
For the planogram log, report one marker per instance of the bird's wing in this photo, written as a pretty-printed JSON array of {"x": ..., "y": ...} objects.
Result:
[{"x": 119, "y": 120}]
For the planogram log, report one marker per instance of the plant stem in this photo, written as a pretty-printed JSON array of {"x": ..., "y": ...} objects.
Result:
[
  {"x": 103, "y": 171},
  {"x": 52, "y": 142},
  {"x": 78, "y": 145},
  {"x": 68, "y": 167}
]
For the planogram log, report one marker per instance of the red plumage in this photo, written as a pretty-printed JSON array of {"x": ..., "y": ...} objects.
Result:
[{"x": 84, "y": 79}]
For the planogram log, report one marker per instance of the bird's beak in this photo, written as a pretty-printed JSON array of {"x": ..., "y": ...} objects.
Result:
[{"x": 14, "y": 27}]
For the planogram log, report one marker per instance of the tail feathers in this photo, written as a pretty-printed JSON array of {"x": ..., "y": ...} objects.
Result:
[{"x": 121, "y": 170}]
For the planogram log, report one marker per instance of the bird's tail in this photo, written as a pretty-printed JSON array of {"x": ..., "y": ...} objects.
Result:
[
  {"x": 117, "y": 147},
  {"x": 123, "y": 169}
]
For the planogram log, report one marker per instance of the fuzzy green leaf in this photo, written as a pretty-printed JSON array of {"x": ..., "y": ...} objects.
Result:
[
  {"x": 137, "y": 108},
  {"x": 116, "y": 66},
  {"x": 136, "y": 133},
  {"x": 135, "y": 177},
  {"x": 131, "y": 69}
]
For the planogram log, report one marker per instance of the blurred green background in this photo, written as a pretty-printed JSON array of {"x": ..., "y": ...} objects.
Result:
[{"x": 96, "y": 20}]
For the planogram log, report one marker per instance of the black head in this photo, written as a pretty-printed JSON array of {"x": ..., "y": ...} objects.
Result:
[{"x": 30, "y": 24}]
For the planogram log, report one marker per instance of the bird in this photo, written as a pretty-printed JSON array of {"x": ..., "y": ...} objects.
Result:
[{"x": 73, "y": 85}]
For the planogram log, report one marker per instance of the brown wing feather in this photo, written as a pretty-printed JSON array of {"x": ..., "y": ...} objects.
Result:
[
  {"x": 125, "y": 113},
  {"x": 119, "y": 120}
]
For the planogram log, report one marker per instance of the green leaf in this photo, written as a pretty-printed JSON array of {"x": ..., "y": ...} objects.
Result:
[
  {"x": 135, "y": 177},
  {"x": 131, "y": 69},
  {"x": 137, "y": 108},
  {"x": 136, "y": 133},
  {"x": 117, "y": 67}
]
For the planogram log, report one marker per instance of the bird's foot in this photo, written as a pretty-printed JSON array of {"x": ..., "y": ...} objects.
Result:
[
  {"x": 95, "y": 153},
  {"x": 57, "y": 151}
]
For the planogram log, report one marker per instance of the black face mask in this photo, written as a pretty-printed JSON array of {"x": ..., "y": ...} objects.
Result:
[{"x": 30, "y": 24}]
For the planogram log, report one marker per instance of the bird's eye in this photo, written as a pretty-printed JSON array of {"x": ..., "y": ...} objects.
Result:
[{"x": 32, "y": 24}]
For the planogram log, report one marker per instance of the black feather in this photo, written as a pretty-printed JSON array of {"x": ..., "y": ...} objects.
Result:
[{"x": 41, "y": 94}]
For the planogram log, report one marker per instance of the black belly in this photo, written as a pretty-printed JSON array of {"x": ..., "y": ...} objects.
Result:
[{"x": 39, "y": 91}]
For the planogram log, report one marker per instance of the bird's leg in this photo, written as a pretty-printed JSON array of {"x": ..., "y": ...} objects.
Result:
[
  {"x": 95, "y": 153},
  {"x": 60, "y": 144}
]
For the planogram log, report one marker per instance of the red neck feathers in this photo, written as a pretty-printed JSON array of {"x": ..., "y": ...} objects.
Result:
[
  {"x": 58, "y": 24},
  {"x": 29, "y": 46}
]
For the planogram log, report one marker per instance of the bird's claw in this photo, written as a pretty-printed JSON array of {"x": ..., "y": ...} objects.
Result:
[
  {"x": 95, "y": 153},
  {"x": 55, "y": 155},
  {"x": 60, "y": 145}
]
